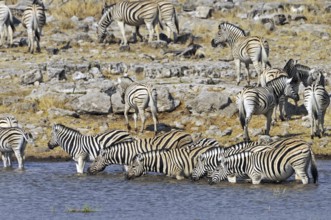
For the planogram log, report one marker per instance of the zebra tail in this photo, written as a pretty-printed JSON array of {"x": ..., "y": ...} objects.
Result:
[
  {"x": 176, "y": 21},
  {"x": 315, "y": 107},
  {"x": 313, "y": 167},
  {"x": 11, "y": 22},
  {"x": 159, "y": 17},
  {"x": 242, "y": 112},
  {"x": 265, "y": 52},
  {"x": 153, "y": 98},
  {"x": 36, "y": 27}
]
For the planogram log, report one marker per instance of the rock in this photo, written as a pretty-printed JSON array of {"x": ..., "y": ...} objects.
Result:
[
  {"x": 31, "y": 77},
  {"x": 79, "y": 76},
  {"x": 158, "y": 44},
  {"x": 57, "y": 112},
  {"x": 92, "y": 103},
  {"x": 165, "y": 101},
  {"x": 203, "y": 12},
  {"x": 95, "y": 72},
  {"x": 56, "y": 73}
]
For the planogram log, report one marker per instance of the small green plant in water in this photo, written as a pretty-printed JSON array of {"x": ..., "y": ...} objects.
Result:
[{"x": 85, "y": 209}]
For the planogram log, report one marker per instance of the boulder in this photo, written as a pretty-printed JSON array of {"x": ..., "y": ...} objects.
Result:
[{"x": 31, "y": 77}]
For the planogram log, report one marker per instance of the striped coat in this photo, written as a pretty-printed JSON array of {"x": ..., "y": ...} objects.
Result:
[{"x": 7, "y": 27}]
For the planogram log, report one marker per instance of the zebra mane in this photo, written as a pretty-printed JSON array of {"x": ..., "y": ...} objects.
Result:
[
  {"x": 67, "y": 128},
  {"x": 232, "y": 27}
]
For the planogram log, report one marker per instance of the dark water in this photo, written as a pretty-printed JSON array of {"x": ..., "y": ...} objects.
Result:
[{"x": 53, "y": 191}]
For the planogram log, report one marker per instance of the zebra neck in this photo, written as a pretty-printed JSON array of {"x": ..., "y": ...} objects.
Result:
[{"x": 277, "y": 86}]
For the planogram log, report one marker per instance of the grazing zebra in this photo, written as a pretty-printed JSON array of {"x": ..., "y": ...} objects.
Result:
[
  {"x": 177, "y": 162},
  {"x": 209, "y": 160},
  {"x": 8, "y": 121},
  {"x": 123, "y": 153},
  {"x": 168, "y": 17},
  {"x": 262, "y": 100},
  {"x": 7, "y": 27},
  {"x": 34, "y": 19},
  {"x": 287, "y": 156},
  {"x": 245, "y": 49},
  {"x": 83, "y": 147},
  {"x": 138, "y": 96},
  {"x": 316, "y": 101},
  {"x": 13, "y": 139},
  {"x": 132, "y": 13}
]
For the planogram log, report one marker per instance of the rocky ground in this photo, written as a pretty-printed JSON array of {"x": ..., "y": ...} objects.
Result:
[{"x": 73, "y": 80}]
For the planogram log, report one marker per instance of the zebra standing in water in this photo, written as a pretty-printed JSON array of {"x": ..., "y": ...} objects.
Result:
[
  {"x": 138, "y": 96},
  {"x": 245, "y": 49},
  {"x": 177, "y": 162},
  {"x": 13, "y": 139},
  {"x": 132, "y": 13},
  {"x": 316, "y": 101},
  {"x": 262, "y": 100},
  {"x": 83, "y": 147},
  {"x": 7, "y": 27},
  {"x": 286, "y": 157},
  {"x": 34, "y": 19},
  {"x": 123, "y": 153}
]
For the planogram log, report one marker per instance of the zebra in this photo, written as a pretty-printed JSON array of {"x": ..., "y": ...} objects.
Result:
[
  {"x": 123, "y": 153},
  {"x": 316, "y": 101},
  {"x": 8, "y": 121},
  {"x": 177, "y": 162},
  {"x": 168, "y": 18},
  {"x": 288, "y": 156},
  {"x": 262, "y": 100},
  {"x": 83, "y": 147},
  {"x": 132, "y": 13},
  {"x": 7, "y": 27},
  {"x": 13, "y": 139},
  {"x": 138, "y": 96},
  {"x": 209, "y": 160},
  {"x": 204, "y": 142},
  {"x": 33, "y": 20},
  {"x": 245, "y": 49}
]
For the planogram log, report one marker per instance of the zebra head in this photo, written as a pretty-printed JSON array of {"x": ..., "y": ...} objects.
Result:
[
  {"x": 104, "y": 22},
  {"x": 99, "y": 164},
  {"x": 316, "y": 77},
  {"x": 220, "y": 173},
  {"x": 53, "y": 142},
  {"x": 136, "y": 168},
  {"x": 227, "y": 34},
  {"x": 291, "y": 89},
  {"x": 200, "y": 169}
]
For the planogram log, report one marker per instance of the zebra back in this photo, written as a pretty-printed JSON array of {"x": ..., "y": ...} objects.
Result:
[
  {"x": 172, "y": 139},
  {"x": 271, "y": 73},
  {"x": 13, "y": 138},
  {"x": 8, "y": 121}
]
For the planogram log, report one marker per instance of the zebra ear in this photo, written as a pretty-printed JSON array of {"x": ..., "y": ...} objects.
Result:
[
  {"x": 289, "y": 80},
  {"x": 139, "y": 157}
]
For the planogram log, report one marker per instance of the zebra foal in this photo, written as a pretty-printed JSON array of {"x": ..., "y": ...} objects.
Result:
[
  {"x": 13, "y": 139},
  {"x": 133, "y": 13},
  {"x": 285, "y": 158},
  {"x": 316, "y": 101},
  {"x": 138, "y": 96},
  {"x": 7, "y": 27},
  {"x": 84, "y": 147},
  {"x": 33, "y": 20},
  {"x": 262, "y": 100},
  {"x": 245, "y": 49}
]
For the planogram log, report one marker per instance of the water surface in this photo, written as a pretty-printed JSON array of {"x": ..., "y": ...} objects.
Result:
[{"x": 52, "y": 190}]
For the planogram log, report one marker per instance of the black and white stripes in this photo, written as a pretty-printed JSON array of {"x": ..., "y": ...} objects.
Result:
[
  {"x": 245, "y": 49},
  {"x": 7, "y": 27},
  {"x": 33, "y": 20},
  {"x": 133, "y": 13}
]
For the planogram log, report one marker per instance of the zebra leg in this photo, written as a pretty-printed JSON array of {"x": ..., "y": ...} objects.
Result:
[
  {"x": 150, "y": 28},
  {"x": 10, "y": 35},
  {"x": 312, "y": 126},
  {"x": 237, "y": 63},
  {"x": 135, "y": 117},
  {"x": 19, "y": 158},
  {"x": 2, "y": 33},
  {"x": 258, "y": 71},
  {"x": 322, "y": 123},
  {"x": 143, "y": 119},
  {"x": 139, "y": 35},
  {"x": 30, "y": 41},
  {"x": 126, "y": 111},
  {"x": 247, "y": 73},
  {"x": 268, "y": 122},
  {"x": 301, "y": 174},
  {"x": 6, "y": 159},
  {"x": 121, "y": 26},
  {"x": 232, "y": 178},
  {"x": 246, "y": 135},
  {"x": 80, "y": 163}
]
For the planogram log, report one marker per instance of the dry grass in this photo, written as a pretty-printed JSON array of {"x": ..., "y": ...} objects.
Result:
[{"x": 78, "y": 8}]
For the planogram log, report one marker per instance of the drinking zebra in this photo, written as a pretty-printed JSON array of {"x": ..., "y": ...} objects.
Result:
[
  {"x": 245, "y": 49},
  {"x": 138, "y": 96},
  {"x": 8, "y": 121},
  {"x": 316, "y": 101},
  {"x": 7, "y": 27},
  {"x": 83, "y": 147},
  {"x": 33, "y": 20},
  {"x": 288, "y": 156},
  {"x": 168, "y": 18},
  {"x": 209, "y": 160},
  {"x": 13, "y": 139},
  {"x": 133, "y": 13},
  {"x": 177, "y": 162},
  {"x": 262, "y": 100},
  {"x": 123, "y": 153}
]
